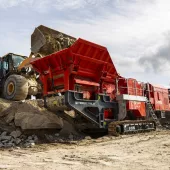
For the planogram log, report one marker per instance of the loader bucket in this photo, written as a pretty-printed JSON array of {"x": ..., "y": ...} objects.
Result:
[{"x": 45, "y": 41}]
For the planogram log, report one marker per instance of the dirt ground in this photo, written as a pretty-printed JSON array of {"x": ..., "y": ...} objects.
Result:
[{"x": 139, "y": 151}]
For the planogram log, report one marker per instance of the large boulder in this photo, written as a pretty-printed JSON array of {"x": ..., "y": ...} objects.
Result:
[
  {"x": 4, "y": 106},
  {"x": 43, "y": 120},
  {"x": 29, "y": 115}
]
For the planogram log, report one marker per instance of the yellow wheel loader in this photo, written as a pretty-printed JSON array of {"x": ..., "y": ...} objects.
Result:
[{"x": 18, "y": 80}]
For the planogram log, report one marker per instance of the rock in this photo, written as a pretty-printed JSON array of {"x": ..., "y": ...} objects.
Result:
[
  {"x": 32, "y": 144},
  {"x": 1, "y": 145},
  {"x": 8, "y": 145},
  {"x": 88, "y": 138},
  {"x": 30, "y": 116},
  {"x": 50, "y": 138},
  {"x": 29, "y": 145},
  {"x": 71, "y": 137},
  {"x": 27, "y": 120},
  {"x": 57, "y": 134},
  {"x": 17, "y": 147},
  {"x": 31, "y": 141},
  {"x": 5, "y": 141},
  {"x": 6, "y": 127},
  {"x": 26, "y": 145},
  {"x": 10, "y": 108},
  {"x": 17, "y": 141},
  {"x": 23, "y": 137},
  {"x": 10, "y": 117},
  {"x": 60, "y": 140},
  {"x": 16, "y": 133},
  {"x": 12, "y": 140},
  {"x": 35, "y": 138},
  {"x": 12, "y": 124},
  {"x": 73, "y": 142},
  {"x": 29, "y": 138},
  {"x": 4, "y": 106},
  {"x": 3, "y": 133},
  {"x": 5, "y": 138}
]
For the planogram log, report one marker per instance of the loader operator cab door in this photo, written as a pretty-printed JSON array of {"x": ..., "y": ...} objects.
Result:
[
  {"x": 4, "y": 67},
  {"x": 1, "y": 72}
]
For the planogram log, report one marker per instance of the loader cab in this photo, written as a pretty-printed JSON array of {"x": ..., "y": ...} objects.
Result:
[{"x": 9, "y": 63}]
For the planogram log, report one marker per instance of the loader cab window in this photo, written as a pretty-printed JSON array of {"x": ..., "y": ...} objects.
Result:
[
  {"x": 4, "y": 68},
  {"x": 17, "y": 60},
  {"x": 0, "y": 63},
  {"x": 5, "y": 65},
  {"x": 1, "y": 69}
]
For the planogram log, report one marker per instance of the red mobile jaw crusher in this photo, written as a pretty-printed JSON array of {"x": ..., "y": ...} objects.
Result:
[{"x": 83, "y": 78}]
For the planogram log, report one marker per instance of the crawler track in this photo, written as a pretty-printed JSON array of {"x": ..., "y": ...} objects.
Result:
[{"x": 129, "y": 127}]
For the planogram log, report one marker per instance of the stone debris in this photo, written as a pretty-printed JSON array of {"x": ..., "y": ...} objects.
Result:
[
  {"x": 57, "y": 134},
  {"x": 35, "y": 138},
  {"x": 2, "y": 138},
  {"x": 19, "y": 139},
  {"x": 16, "y": 133},
  {"x": 16, "y": 139},
  {"x": 71, "y": 137},
  {"x": 4, "y": 134},
  {"x": 29, "y": 144},
  {"x": 18, "y": 120}
]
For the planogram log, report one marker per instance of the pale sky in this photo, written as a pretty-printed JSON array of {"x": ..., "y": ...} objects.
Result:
[{"x": 136, "y": 32}]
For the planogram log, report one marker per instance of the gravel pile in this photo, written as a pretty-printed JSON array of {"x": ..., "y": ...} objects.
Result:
[
  {"x": 27, "y": 123},
  {"x": 17, "y": 139}
]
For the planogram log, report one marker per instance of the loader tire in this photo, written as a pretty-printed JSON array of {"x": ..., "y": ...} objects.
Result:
[{"x": 15, "y": 88}]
